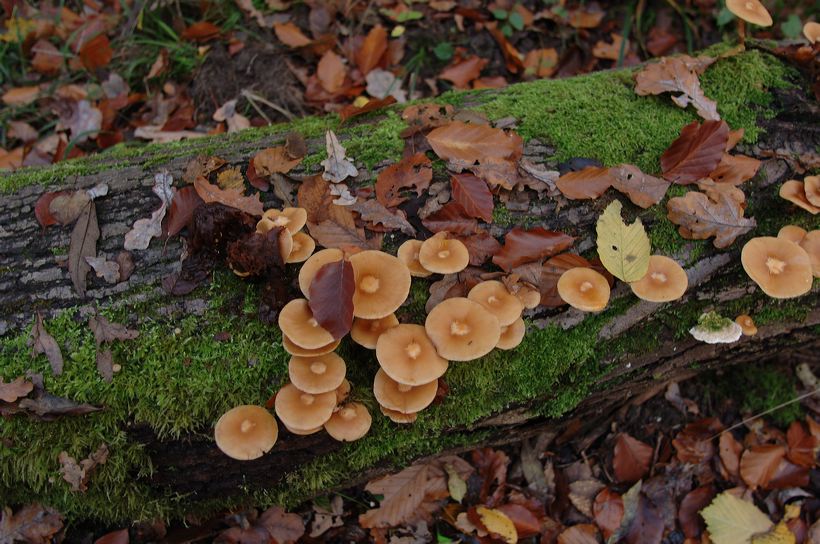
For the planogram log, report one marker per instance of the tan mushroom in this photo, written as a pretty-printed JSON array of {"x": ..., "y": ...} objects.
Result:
[
  {"x": 811, "y": 31},
  {"x": 747, "y": 325},
  {"x": 781, "y": 268},
  {"x": 811, "y": 245},
  {"x": 530, "y": 298},
  {"x": 246, "y": 432},
  {"x": 462, "y": 330},
  {"x": 366, "y": 332},
  {"x": 293, "y": 219},
  {"x": 512, "y": 335},
  {"x": 302, "y": 411},
  {"x": 297, "y": 323},
  {"x": 443, "y": 255},
  {"x": 351, "y": 422},
  {"x": 751, "y": 11},
  {"x": 665, "y": 280},
  {"x": 397, "y": 417},
  {"x": 305, "y": 432},
  {"x": 496, "y": 299},
  {"x": 409, "y": 254},
  {"x": 584, "y": 288},
  {"x": 317, "y": 374},
  {"x": 342, "y": 392},
  {"x": 311, "y": 267},
  {"x": 795, "y": 192},
  {"x": 811, "y": 185},
  {"x": 293, "y": 349},
  {"x": 302, "y": 247},
  {"x": 382, "y": 284},
  {"x": 406, "y": 399},
  {"x": 408, "y": 356},
  {"x": 792, "y": 233}
]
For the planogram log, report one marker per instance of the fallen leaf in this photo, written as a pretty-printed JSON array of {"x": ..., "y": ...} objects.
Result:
[
  {"x": 114, "y": 537},
  {"x": 332, "y": 233},
  {"x": 230, "y": 178},
  {"x": 373, "y": 48},
  {"x": 582, "y": 493},
  {"x": 642, "y": 189},
  {"x": 382, "y": 84},
  {"x": 540, "y": 63},
  {"x": 42, "y": 342},
  {"x": 373, "y": 212},
  {"x": 611, "y": 51},
  {"x": 274, "y": 525},
  {"x": 331, "y": 297},
  {"x": 232, "y": 197},
  {"x": 351, "y": 110},
  {"x": 474, "y": 143},
  {"x": 96, "y": 53},
  {"x": 759, "y": 464},
  {"x": 422, "y": 117},
  {"x": 802, "y": 446},
  {"x": 647, "y": 526},
  {"x": 678, "y": 75},
  {"x": 33, "y": 524},
  {"x": 527, "y": 245},
  {"x": 10, "y": 392},
  {"x": 413, "y": 172},
  {"x": 690, "y": 507},
  {"x": 693, "y": 444},
  {"x": 201, "y": 31},
  {"x": 451, "y": 218},
  {"x": 47, "y": 58},
  {"x": 552, "y": 271},
  {"x": 731, "y": 520},
  {"x": 227, "y": 113},
  {"x": 696, "y": 152},
  {"x": 105, "y": 269},
  {"x": 274, "y": 160},
  {"x": 48, "y": 407},
  {"x": 105, "y": 364},
  {"x": 730, "y": 450},
  {"x": 83, "y": 244},
  {"x": 492, "y": 467},
  {"x": 512, "y": 57},
  {"x": 337, "y": 167},
  {"x": 591, "y": 182},
  {"x": 498, "y": 524},
  {"x": 623, "y": 249},
  {"x": 403, "y": 495},
  {"x": 331, "y": 72},
  {"x": 481, "y": 245},
  {"x": 586, "y": 16},
  {"x": 526, "y": 522},
  {"x": 82, "y": 120},
  {"x": 77, "y": 475},
  {"x": 185, "y": 201},
  {"x": 21, "y": 96},
  {"x": 699, "y": 217},
  {"x": 105, "y": 331},
  {"x": 41, "y": 208},
  {"x": 735, "y": 169},
  {"x": 461, "y": 73},
  {"x": 290, "y": 35},
  {"x": 139, "y": 237},
  {"x": 631, "y": 458},
  {"x": 455, "y": 484},
  {"x": 201, "y": 165},
  {"x": 583, "y": 533},
  {"x": 473, "y": 195},
  {"x": 66, "y": 207},
  {"x": 608, "y": 511}
]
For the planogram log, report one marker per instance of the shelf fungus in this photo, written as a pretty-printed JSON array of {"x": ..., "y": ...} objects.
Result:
[{"x": 715, "y": 329}]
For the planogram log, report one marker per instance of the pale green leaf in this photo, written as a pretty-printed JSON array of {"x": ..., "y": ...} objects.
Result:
[
  {"x": 731, "y": 520},
  {"x": 624, "y": 249},
  {"x": 455, "y": 484}
]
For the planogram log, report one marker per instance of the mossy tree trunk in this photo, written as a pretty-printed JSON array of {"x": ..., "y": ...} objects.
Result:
[{"x": 572, "y": 369}]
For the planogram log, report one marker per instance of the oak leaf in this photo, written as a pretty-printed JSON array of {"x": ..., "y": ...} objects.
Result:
[
  {"x": 473, "y": 143},
  {"x": 413, "y": 172},
  {"x": 699, "y": 217},
  {"x": 42, "y": 342},
  {"x": 33, "y": 524},
  {"x": 105, "y": 269},
  {"x": 274, "y": 160},
  {"x": 11, "y": 391},
  {"x": 83, "y": 244},
  {"x": 139, "y": 237},
  {"x": 631, "y": 459},
  {"x": 678, "y": 75},
  {"x": 331, "y": 297},
  {"x": 642, "y": 189},
  {"x": 473, "y": 195},
  {"x": 106, "y": 331},
  {"x": 526, "y": 245},
  {"x": 337, "y": 166},
  {"x": 233, "y": 198},
  {"x": 77, "y": 474},
  {"x": 373, "y": 48},
  {"x": 623, "y": 249},
  {"x": 372, "y": 211},
  {"x": 696, "y": 152},
  {"x": 591, "y": 182}
]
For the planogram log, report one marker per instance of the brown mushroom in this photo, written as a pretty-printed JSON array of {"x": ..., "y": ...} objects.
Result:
[
  {"x": 351, "y": 422},
  {"x": 811, "y": 245},
  {"x": 303, "y": 411},
  {"x": 296, "y": 321},
  {"x": 497, "y": 300},
  {"x": 811, "y": 31},
  {"x": 293, "y": 349},
  {"x": 781, "y": 268},
  {"x": 246, "y": 432},
  {"x": 305, "y": 432},
  {"x": 751, "y": 11},
  {"x": 512, "y": 335},
  {"x": 302, "y": 247},
  {"x": 443, "y": 255},
  {"x": 406, "y": 399},
  {"x": 408, "y": 356},
  {"x": 293, "y": 219},
  {"x": 382, "y": 284},
  {"x": 811, "y": 185},
  {"x": 462, "y": 330},
  {"x": 366, "y": 332},
  {"x": 530, "y": 298},
  {"x": 311, "y": 267},
  {"x": 795, "y": 192},
  {"x": 342, "y": 392},
  {"x": 317, "y": 374},
  {"x": 584, "y": 288},
  {"x": 665, "y": 280},
  {"x": 409, "y": 254},
  {"x": 747, "y": 325},
  {"x": 792, "y": 233},
  {"x": 397, "y": 417}
]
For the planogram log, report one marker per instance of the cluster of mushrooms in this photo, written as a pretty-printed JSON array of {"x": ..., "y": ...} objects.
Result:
[
  {"x": 754, "y": 12},
  {"x": 295, "y": 245}
]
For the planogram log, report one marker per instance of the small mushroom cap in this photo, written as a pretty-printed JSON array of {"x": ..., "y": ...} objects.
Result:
[
  {"x": 811, "y": 31},
  {"x": 795, "y": 192},
  {"x": 366, "y": 332},
  {"x": 407, "y": 355},
  {"x": 397, "y": 417},
  {"x": 406, "y": 399},
  {"x": 293, "y": 349},
  {"x": 311, "y": 267},
  {"x": 811, "y": 184},
  {"x": 342, "y": 392},
  {"x": 747, "y": 325},
  {"x": 443, "y": 255},
  {"x": 409, "y": 254},
  {"x": 317, "y": 374},
  {"x": 512, "y": 335},
  {"x": 292, "y": 219},
  {"x": 529, "y": 297},
  {"x": 303, "y": 411},
  {"x": 382, "y": 284},
  {"x": 584, "y": 288},
  {"x": 462, "y": 330},
  {"x": 792, "y": 233},
  {"x": 296, "y": 321},
  {"x": 497, "y": 300},
  {"x": 350, "y": 423},
  {"x": 307, "y": 432},
  {"x": 246, "y": 432},
  {"x": 665, "y": 280},
  {"x": 302, "y": 247},
  {"x": 751, "y": 11},
  {"x": 781, "y": 268},
  {"x": 811, "y": 245}
]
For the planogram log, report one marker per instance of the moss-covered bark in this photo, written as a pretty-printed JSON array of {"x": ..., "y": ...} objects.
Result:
[{"x": 177, "y": 378}]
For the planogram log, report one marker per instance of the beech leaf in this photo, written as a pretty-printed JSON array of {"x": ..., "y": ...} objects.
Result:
[
  {"x": 527, "y": 245},
  {"x": 331, "y": 297},
  {"x": 642, "y": 189},
  {"x": 372, "y": 211},
  {"x": 403, "y": 495},
  {"x": 608, "y": 511},
  {"x": 732, "y": 520},
  {"x": 690, "y": 506},
  {"x": 413, "y": 172},
  {"x": 699, "y": 217},
  {"x": 274, "y": 525},
  {"x": 290, "y": 35},
  {"x": 472, "y": 142},
  {"x": 696, "y": 152},
  {"x": 331, "y": 72},
  {"x": 473, "y": 195},
  {"x": 66, "y": 207},
  {"x": 583, "y": 533},
  {"x": 552, "y": 271},
  {"x": 274, "y": 160},
  {"x": 42, "y": 342},
  {"x": 330, "y": 233},
  {"x": 83, "y": 244},
  {"x": 735, "y": 169},
  {"x": 42, "y": 211},
  {"x": 182, "y": 208},
  {"x": 591, "y": 182},
  {"x": 451, "y": 218},
  {"x": 373, "y": 48},
  {"x": 759, "y": 464},
  {"x": 337, "y": 166},
  {"x": 498, "y": 524},
  {"x": 631, "y": 458},
  {"x": 229, "y": 197},
  {"x": 623, "y": 249}
]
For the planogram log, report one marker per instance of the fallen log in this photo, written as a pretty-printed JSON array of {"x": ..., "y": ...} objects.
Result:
[{"x": 201, "y": 354}]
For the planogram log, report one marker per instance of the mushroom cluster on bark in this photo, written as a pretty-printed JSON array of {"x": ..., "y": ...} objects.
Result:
[{"x": 295, "y": 245}]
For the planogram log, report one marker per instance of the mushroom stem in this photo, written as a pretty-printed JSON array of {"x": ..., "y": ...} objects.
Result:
[{"x": 741, "y": 33}]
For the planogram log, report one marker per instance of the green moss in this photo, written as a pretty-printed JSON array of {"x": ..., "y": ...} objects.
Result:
[
  {"x": 502, "y": 216},
  {"x": 764, "y": 388}
]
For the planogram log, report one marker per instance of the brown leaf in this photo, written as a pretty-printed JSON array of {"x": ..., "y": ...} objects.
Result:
[
  {"x": 105, "y": 364},
  {"x": 48, "y": 407},
  {"x": 802, "y": 449},
  {"x": 759, "y": 464},
  {"x": 333, "y": 233},
  {"x": 413, "y": 172},
  {"x": 473, "y": 195},
  {"x": 372, "y": 211},
  {"x": 96, "y": 53},
  {"x": 42, "y": 211},
  {"x": 403, "y": 494},
  {"x": 647, "y": 525},
  {"x": 10, "y": 392},
  {"x": 274, "y": 525},
  {"x": 182, "y": 208},
  {"x": 33, "y": 524},
  {"x": 678, "y": 75},
  {"x": 512, "y": 57},
  {"x": 20, "y": 96},
  {"x": 730, "y": 450},
  {"x": 735, "y": 169},
  {"x": 526, "y": 523},
  {"x": 699, "y": 217},
  {"x": 631, "y": 459},
  {"x": 591, "y": 182},
  {"x": 451, "y": 218},
  {"x": 689, "y": 514},
  {"x": 481, "y": 246},
  {"x": 83, "y": 244},
  {"x": 42, "y": 342},
  {"x": 331, "y": 297},
  {"x": 584, "y": 533},
  {"x": 337, "y": 166},
  {"x": 461, "y": 73},
  {"x": 114, "y": 537},
  {"x": 290, "y": 35},
  {"x": 693, "y": 444},
  {"x": 232, "y": 197},
  {"x": 274, "y": 160},
  {"x": 47, "y": 58},
  {"x": 422, "y": 117},
  {"x": 788, "y": 475},
  {"x": 105, "y": 269},
  {"x": 105, "y": 331},
  {"x": 331, "y": 72},
  {"x": 696, "y": 152},
  {"x": 201, "y": 165},
  {"x": 582, "y": 493},
  {"x": 201, "y": 31},
  {"x": 470, "y": 142},
  {"x": 373, "y": 48},
  {"x": 78, "y": 474},
  {"x": 521, "y": 246},
  {"x": 540, "y": 62},
  {"x": 350, "y": 111},
  {"x": 608, "y": 511},
  {"x": 66, "y": 207},
  {"x": 642, "y": 189},
  {"x": 552, "y": 271},
  {"x": 492, "y": 467}
]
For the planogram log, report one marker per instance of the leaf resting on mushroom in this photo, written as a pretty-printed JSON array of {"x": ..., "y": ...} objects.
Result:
[
  {"x": 331, "y": 297},
  {"x": 624, "y": 249}
]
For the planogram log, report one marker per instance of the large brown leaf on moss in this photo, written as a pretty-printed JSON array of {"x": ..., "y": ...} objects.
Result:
[
  {"x": 233, "y": 198},
  {"x": 678, "y": 75},
  {"x": 696, "y": 152},
  {"x": 42, "y": 342},
  {"x": 414, "y": 172},
  {"x": 591, "y": 182},
  {"x": 473, "y": 195},
  {"x": 10, "y": 392},
  {"x": 527, "y": 245},
  {"x": 471, "y": 142},
  {"x": 699, "y": 217},
  {"x": 331, "y": 297},
  {"x": 631, "y": 459}
]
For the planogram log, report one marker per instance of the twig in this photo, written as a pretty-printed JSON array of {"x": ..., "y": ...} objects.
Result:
[
  {"x": 251, "y": 97},
  {"x": 769, "y": 411}
]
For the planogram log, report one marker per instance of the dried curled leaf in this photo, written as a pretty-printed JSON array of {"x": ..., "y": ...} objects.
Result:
[
  {"x": 696, "y": 152},
  {"x": 230, "y": 197},
  {"x": 373, "y": 212},
  {"x": 623, "y": 249},
  {"x": 642, "y": 189},
  {"x": 413, "y": 172},
  {"x": 699, "y": 216},
  {"x": 42, "y": 342},
  {"x": 337, "y": 166},
  {"x": 678, "y": 75},
  {"x": 77, "y": 474},
  {"x": 10, "y": 392},
  {"x": 527, "y": 245},
  {"x": 274, "y": 160},
  {"x": 139, "y": 237},
  {"x": 83, "y": 244}
]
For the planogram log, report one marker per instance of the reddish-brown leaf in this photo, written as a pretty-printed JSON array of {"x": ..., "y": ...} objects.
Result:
[
  {"x": 274, "y": 525},
  {"x": 425, "y": 116},
  {"x": 591, "y": 182},
  {"x": 802, "y": 445},
  {"x": 331, "y": 72},
  {"x": 201, "y": 31},
  {"x": 41, "y": 208},
  {"x": 373, "y": 104},
  {"x": 47, "y": 58},
  {"x": 678, "y": 75},
  {"x": 608, "y": 510},
  {"x": 10, "y": 392},
  {"x": 642, "y": 189},
  {"x": 42, "y": 342},
  {"x": 116, "y": 537},
  {"x": 274, "y": 160},
  {"x": 373, "y": 212},
  {"x": 473, "y": 195},
  {"x": 96, "y": 53},
  {"x": 182, "y": 208},
  {"x": 700, "y": 216},
  {"x": 470, "y": 142},
  {"x": 550, "y": 274},
  {"x": 481, "y": 246},
  {"x": 373, "y": 48},
  {"x": 730, "y": 450},
  {"x": 463, "y": 72},
  {"x": 631, "y": 459},
  {"x": 522, "y": 246},
  {"x": 290, "y": 35},
  {"x": 340, "y": 230},
  {"x": 229, "y": 197},
  {"x": 647, "y": 526},
  {"x": 693, "y": 444},
  {"x": 689, "y": 513},
  {"x": 512, "y": 58},
  {"x": 735, "y": 169},
  {"x": 451, "y": 218},
  {"x": 33, "y": 523},
  {"x": 584, "y": 533},
  {"x": 331, "y": 297},
  {"x": 492, "y": 467},
  {"x": 788, "y": 475},
  {"x": 413, "y": 172},
  {"x": 759, "y": 464},
  {"x": 526, "y": 524},
  {"x": 696, "y": 153}
]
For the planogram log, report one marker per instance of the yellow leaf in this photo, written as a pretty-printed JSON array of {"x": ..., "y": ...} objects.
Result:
[
  {"x": 624, "y": 249},
  {"x": 498, "y": 523},
  {"x": 455, "y": 483},
  {"x": 731, "y": 520},
  {"x": 17, "y": 29},
  {"x": 781, "y": 533}
]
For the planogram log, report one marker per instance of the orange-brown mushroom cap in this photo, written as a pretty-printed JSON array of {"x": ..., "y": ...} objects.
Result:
[
  {"x": 366, "y": 332},
  {"x": 781, "y": 268},
  {"x": 246, "y": 432},
  {"x": 302, "y": 247},
  {"x": 293, "y": 349},
  {"x": 304, "y": 432},
  {"x": 303, "y": 411},
  {"x": 584, "y": 288},
  {"x": 811, "y": 245},
  {"x": 397, "y": 417},
  {"x": 747, "y": 324},
  {"x": 317, "y": 374},
  {"x": 792, "y": 233},
  {"x": 351, "y": 422},
  {"x": 408, "y": 253},
  {"x": 408, "y": 356},
  {"x": 665, "y": 280},
  {"x": 462, "y": 330},
  {"x": 296, "y": 321},
  {"x": 795, "y": 192},
  {"x": 342, "y": 392},
  {"x": 443, "y": 255},
  {"x": 311, "y": 267},
  {"x": 512, "y": 335},
  {"x": 811, "y": 31},
  {"x": 811, "y": 185},
  {"x": 497, "y": 300},
  {"x": 751, "y": 11},
  {"x": 530, "y": 298},
  {"x": 292, "y": 219},
  {"x": 406, "y": 399},
  {"x": 382, "y": 284}
]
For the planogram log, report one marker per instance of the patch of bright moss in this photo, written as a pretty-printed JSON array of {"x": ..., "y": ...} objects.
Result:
[{"x": 765, "y": 387}]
